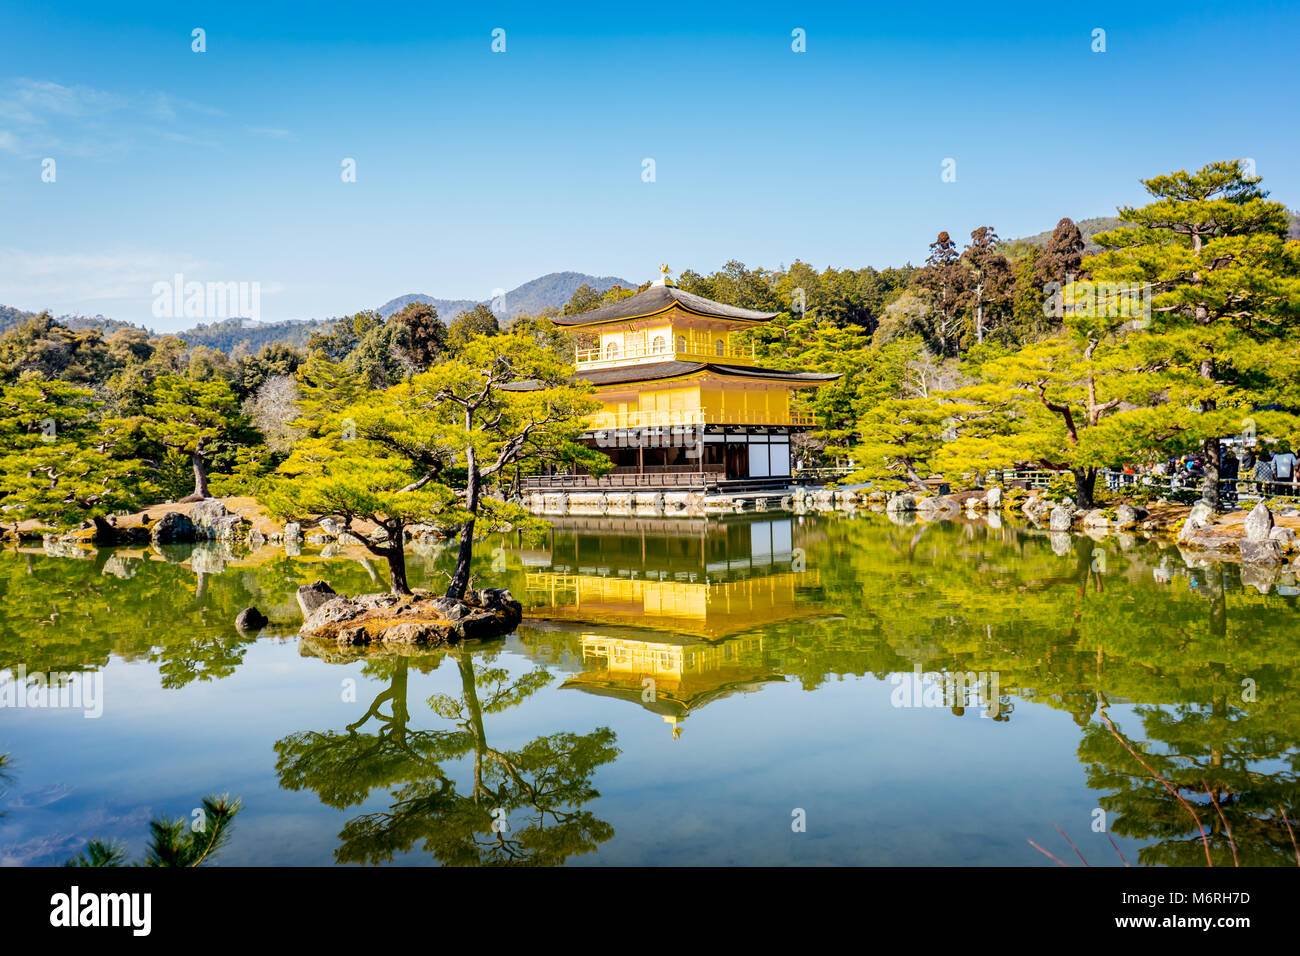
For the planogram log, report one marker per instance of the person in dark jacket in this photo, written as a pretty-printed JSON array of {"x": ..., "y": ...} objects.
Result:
[
  {"x": 1228, "y": 472},
  {"x": 1246, "y": 471}
]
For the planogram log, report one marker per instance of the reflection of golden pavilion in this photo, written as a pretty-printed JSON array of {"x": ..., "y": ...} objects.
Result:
[
  {"x": 669, "y": 604},
  {"x": 671, "y": 679},
  {"x": 700, "y": 608},
  {"x": 721, "y": 578}
]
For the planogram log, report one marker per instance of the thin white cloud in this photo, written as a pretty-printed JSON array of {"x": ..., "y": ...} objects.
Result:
[
  {"x": 64, "y": 281},
  {"x": 188, "y": 139},
  {"x": 54, "y": 119},
  {"x": 118, "y": 283},
  {"x": 36, "y": 102},
  {"x": 168, "y": 107},
  {"x": 270, "y": 132}
]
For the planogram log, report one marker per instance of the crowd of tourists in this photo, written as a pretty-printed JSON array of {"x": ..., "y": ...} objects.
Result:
[
  {"x": 1267, "y": 472},
  {"x": 1244, "y": 469}
]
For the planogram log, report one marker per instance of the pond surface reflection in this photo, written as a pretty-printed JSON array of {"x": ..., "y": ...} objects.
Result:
[{"x": 683, "y": 692}]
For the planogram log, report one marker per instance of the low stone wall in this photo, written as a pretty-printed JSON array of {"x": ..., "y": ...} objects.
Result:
[
  {"x": 620, "y": 503},
  {"x": 694, "y": 504}
]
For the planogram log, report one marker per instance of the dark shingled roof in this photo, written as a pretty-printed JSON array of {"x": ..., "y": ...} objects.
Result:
[
  {"x": 659, "y": 370},
  {"x": 659, "y": 298},
  {"x": 656, "y": 371}
]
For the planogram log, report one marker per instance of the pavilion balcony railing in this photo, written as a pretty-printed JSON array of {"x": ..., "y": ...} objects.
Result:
[
  {"x": 669, "y": 469},
  {"x": 549, "y": 580},
  {"x": 682, "y": 352},
  {"x": 660, "y": 418},
  {"x": 659, "y": 480}
]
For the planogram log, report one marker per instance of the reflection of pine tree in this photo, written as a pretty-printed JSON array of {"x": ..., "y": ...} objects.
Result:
[
  {"x": 5, "y": 778},
  {"x": 1058, "y": 630},
  {"x": 537, "y": 791},
  {"x": 172, "y": 843},
  {"x": 1201, "y": 734},
  {"x": 1218, "y": 746},
  {"x": 62, "y": 614}
]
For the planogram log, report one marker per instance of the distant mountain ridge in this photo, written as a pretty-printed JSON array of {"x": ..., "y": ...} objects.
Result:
[
  {"x": 10, "y": 317},
  {"x": 550, "y": 291},
  {"x": 1087, "y": 227},
  {"x": 224, "y": 335},
  {"x": 1090, "y": 228}
]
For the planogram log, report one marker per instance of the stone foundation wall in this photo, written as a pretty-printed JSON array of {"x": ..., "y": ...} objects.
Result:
[
  {"x": 694, "y": 504},
  {"x": 621, "y": 503}
]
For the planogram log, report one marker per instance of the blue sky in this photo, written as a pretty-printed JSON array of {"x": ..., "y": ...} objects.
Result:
[{"x": 479, "y": 170}]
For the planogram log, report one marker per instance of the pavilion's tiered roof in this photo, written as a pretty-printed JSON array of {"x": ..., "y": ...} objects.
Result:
[
  {"x": 662, "y": 297},
  {"x": 659, "y": 371}
]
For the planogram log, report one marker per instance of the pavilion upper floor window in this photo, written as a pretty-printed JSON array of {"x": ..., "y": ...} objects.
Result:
[
  {"x": 659, "y": 346},
  {"x": 611, "y": 350},
  {"x": 721, "y": 347}
]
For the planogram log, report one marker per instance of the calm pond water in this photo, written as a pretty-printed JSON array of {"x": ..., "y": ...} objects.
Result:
[{"x": 768, "y": 689}]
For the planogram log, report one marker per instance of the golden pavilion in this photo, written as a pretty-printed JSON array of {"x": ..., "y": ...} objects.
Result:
[{"x": 685, "y": 404}]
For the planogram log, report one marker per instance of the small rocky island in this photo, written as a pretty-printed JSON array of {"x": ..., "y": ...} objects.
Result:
[{"x": 420, "y": 618}]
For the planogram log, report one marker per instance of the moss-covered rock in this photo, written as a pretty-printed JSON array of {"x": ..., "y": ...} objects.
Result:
[{"x": 419, "y": 618}]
